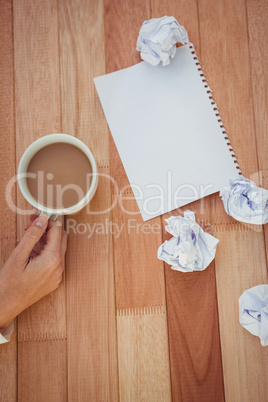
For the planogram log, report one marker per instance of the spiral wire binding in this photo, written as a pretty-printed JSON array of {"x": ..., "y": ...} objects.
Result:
[{"x": 215, "y": 108}]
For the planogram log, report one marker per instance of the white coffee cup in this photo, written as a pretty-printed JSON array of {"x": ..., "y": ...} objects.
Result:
[{"x": 32, "y": 150}]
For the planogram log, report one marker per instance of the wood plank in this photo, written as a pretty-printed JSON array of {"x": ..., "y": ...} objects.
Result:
[
  {"x": 143, "y": 355},
  {"x": 7, "y": 122},
  {"x": 123, "y": 20},
  {"x": 194, "y": 342},
  {"x": 257, "y": 16},
  {"x": 257, "y": 12},
  {"x": 8, "y": 351},
  {"x": 195, "y": 356},
  {"x": 48, "y": 385},
  {"x": 225, "y": 57},
  {"x": 245, "y": 361},
  {"x": 225, "y": 60},
  {"x": 225, "y": 64},
  {"x": 91, "y": 320},
  {"x": 37, "y": 111},
  {"x": 193, "y": 325},
  {"x": 139, "y": 275}
]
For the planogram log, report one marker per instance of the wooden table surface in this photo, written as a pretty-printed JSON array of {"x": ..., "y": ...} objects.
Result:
[{"x": 122, "y": 325}]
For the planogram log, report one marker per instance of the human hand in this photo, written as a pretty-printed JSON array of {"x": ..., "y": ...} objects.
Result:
[{"x": 34, "y": 268}]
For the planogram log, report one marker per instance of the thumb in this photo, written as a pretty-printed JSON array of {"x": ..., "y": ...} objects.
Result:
[{"x": 31, "y": 237}]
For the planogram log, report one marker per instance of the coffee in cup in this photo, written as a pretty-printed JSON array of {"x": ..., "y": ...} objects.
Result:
[{"x": 58, "y": 174}]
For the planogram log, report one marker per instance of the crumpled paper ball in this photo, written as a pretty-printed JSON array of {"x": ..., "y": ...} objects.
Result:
[
  {"x": 253, "y": 312},
  {"x": 157, "y": 40},
  {"x": 191, "y": 249},
  {"x": 245, "y": 201}
]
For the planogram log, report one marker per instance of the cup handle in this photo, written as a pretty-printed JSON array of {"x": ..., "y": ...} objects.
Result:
[{"x": 53, "y": 216}]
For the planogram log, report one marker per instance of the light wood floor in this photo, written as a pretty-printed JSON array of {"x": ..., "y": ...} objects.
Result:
[{"x": 122, "y": 325}]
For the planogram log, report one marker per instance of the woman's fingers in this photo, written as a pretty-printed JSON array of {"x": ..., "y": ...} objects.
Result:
[
  {"x": 39, "y": 246},
  {"x": 33, "y": 254},
  {"x": 30, "y": 238},
  {"x": 32, "y": 219},
  {"x": 54, "y": 239},
  {"x": 53, "y": 236}
]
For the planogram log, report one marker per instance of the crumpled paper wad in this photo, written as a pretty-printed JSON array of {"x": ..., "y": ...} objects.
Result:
[
  {"x": 191, "y": 249},
  {"x": 245, "y": 201},
  {"x": 253, "y": 312},
  {"x": 157, "y": 40}
]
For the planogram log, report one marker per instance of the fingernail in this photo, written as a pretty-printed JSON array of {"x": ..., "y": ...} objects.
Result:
[{"x": 41, "y": 221}]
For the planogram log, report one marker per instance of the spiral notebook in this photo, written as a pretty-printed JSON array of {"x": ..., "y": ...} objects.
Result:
[{"x": 168, "y": 132}]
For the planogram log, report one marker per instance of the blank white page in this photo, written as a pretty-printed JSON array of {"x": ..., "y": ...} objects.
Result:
[{"x": 166, "y": 132}]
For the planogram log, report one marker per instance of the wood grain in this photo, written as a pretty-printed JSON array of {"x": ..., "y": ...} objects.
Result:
[
  {"x": 38, "y": 382},
  {"x": 225, "y": 60},
  {"x": 116, "y": 339},
  {"x": 143, "y": 355},
  {"x": 257, "y": 15},
  {"x": 8, "y": 352},
  {"x": 37, "y": 111},
  {"x": 91, "y": 320},
  {"x": 245, "y": 361},
  {"x": 123, "y": 20},
  {"x": 195, "y": 363},
  {"x": 139, "y": 275},
  {"x": 7, "y": 121},
  {"x": 240, "y": 258},
  {"x": 8, "y": 369},
  {"x": 195, "y": 356},
  {"x": 257, "y": 12}
]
